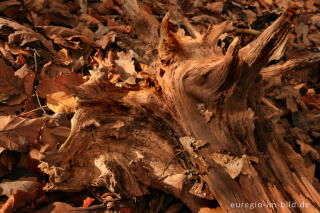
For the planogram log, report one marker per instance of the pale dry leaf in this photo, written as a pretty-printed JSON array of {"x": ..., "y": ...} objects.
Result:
[
  {"x": 26, "y": 184},
  {"x": 233, "y": 165},
  {"x": 63, "y": 57},
  {"x": 126, "y": 64},
  {"x": 60, "y": 101}
]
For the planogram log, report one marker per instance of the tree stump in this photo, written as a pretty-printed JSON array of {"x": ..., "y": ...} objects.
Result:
[{"x": 194, "y": 127}]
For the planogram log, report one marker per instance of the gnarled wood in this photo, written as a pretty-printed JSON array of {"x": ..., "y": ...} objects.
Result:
[{"x": 198, "y": 133}]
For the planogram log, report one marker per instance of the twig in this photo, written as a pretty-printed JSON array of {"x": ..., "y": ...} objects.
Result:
[
  {"x": 35, "y": 88},
  {"x": 270, "y": 104},
  {"x": 248, "y": 31},
  {"x": 35, "y": 91},
  {"x": 24, "y": 113},
  {"x": 194, "y": 33},
  {"x": 35, "y": 62}
]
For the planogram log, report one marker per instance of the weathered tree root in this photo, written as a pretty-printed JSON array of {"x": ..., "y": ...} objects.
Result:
[{"x": 200, "y": 134}]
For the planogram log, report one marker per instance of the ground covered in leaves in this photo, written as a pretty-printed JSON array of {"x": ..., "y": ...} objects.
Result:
[{"x": 49, "y": 47}]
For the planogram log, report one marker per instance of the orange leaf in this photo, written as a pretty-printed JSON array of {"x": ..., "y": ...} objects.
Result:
[{"x": 87, "y": 202}]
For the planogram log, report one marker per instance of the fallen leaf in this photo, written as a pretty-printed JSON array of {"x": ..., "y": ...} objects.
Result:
[
  {"x": 24, "y": 35},
  {"x": 26, "y": 184},
  {"x": 107, "y": 39},
  {"x": 126, "y": 65},
  {"x": 59, "y": 36},
  {"x": 52, "y": 85},
  {"x": 234, "y": 166},
  {"x": 88, "y": 201},
  {"x": 60, "y": 101},
  {"x": 52, "y": 70},
  {"x": 8, "y": 81},
  {"x": 215, "y": 7},
  {"x": 63, "y": 57},
  {"x": 16, "y": 201},
  {"x": 200, "y": 189},
  {"x": 17, "y": 134}
]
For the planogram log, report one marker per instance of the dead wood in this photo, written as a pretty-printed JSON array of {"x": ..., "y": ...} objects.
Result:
[{"x": 193, "y": 127}]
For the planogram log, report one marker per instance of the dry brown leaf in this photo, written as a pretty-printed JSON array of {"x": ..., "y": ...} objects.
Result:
[
  {"x": 60, "y": 101},
  {"x": 26, "y": 184},
  {"x": 52, "y": 70},
  {"x": 63, "y": 57},
  {"x": 57, "y": 13},
  {"x": 108, "y": 38},
  {"x": 6, "y": 54},
  {"x": 126, "y": 66},
  {"x": 17, "y": 134},
  {"x": 66, "y": 37},
  {"x": 59, "y": 97},
  {"x": 54, "y": 137},
  {"x": 16, "y": 99},
  {"x": 8, "y": 81},
  {"x": 24, "y": 35},
  {"x": 52, "y": 85},
  {"x": 28, "y": 84},
  {"x": 59, "y": 36},
  {"x": 16, "y": 201},
  {"x": 215, "y": 7},
  {"x": 17, "y": 50},
  {"x": 234, "y": 166}
]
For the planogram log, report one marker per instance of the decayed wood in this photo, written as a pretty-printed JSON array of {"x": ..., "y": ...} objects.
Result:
[{"x": 197, "y": 131}]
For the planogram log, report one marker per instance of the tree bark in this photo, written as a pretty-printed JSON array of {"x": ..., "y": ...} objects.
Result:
[{"x": 194, "y": 127}]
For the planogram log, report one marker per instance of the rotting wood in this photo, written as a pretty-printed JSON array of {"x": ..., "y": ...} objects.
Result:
[{"x": 123, "y": 138}]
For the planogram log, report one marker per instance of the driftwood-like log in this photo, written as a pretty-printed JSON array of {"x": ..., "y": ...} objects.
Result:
[{"x": 197, "y": 131}]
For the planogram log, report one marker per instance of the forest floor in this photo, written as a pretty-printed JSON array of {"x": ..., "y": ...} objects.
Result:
[{"x": 47, "y": 47}]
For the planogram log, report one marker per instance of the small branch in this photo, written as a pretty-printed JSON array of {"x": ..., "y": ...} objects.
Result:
[
  {"x": 290, "y": 65},
  {"x": 257, "y": 53},
  {"x": 194, "y": 33},
  {"x": 35, "y": 91},
  {"x": 248, "y": 31},
  {"x": 35, "y": 62},
  {"x": 39, "y": 108},
  {"x": 268, "y": 103},
  {"x": 188, "y": 26}
]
